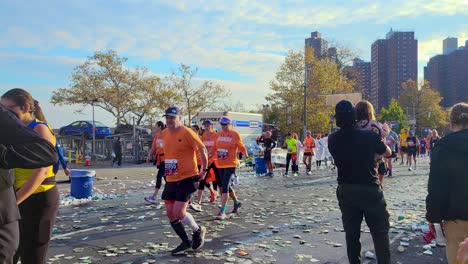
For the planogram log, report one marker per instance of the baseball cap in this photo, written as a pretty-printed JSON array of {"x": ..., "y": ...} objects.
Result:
[
  {"x": 411, "y": 132},
  {"x": 225, "y": 120},
  {"x": 172, "y": 111},
  {"x": 207, "y": 122}
]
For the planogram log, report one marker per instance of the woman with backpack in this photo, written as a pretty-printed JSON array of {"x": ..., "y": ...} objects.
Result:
[{"x": 36, "y": 191}]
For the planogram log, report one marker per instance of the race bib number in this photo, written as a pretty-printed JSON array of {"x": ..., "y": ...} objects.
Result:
[
  {"x": 160, "y": 143},
  {"x": 208, "y": 143},
  {"x": 171, "y": 167},
  {"x": 222, "y": 154},
  {"x": 410, "y": 143},
  {"x": 289, "y": 149}
]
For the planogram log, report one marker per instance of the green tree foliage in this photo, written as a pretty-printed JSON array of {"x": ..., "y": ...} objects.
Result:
[
  {"x": 193, "y": 97},
  {"x": 287, "y": 92},
  {"x": 104, "y": 80},
  {"x": 393, "y": 113},
  {"x": 423, "y": 104}
]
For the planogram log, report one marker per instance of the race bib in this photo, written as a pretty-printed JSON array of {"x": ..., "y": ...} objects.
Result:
[
  {"x": 160, "y": 143},
  {"x": 208, "y": 143},
  {"x": 171, "y": 167},
  {"x": 289, "y": 149},
  {"x": 410, "y": 143},
  {"x": 222, "y": 154},
  {"x": 389, "y": 142}
]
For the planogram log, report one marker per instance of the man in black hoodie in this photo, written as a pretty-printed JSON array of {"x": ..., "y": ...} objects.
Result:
[
  {"x": 447, "y": 199},
  {"x": 20, "y": 147},
  {"x": 359, "y": 192}
]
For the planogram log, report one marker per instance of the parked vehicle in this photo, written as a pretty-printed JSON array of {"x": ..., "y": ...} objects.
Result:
[
  {"x": 248, "y": 125},
  {"x": 83, "y": 127},
  {"x": 128, "y": 129}
]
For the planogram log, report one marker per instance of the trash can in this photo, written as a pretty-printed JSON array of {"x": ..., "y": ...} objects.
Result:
[
  {"x": 260, "y": 166},
  {"x": 81, "y": 183}
]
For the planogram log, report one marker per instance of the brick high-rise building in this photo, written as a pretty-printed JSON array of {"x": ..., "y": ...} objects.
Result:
[
  {"x": 449, "y": 45},
  {"x": 394, "y": 60},
  {"x": 360, "y": 72},
  {"x": 448, "y": 73},
  {"x": 319, "y": 45}
]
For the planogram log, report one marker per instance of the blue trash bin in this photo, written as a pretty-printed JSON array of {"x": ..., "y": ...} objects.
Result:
[
  {"x": 81, "y": 183},
  {"x": 260, "y": 166}
]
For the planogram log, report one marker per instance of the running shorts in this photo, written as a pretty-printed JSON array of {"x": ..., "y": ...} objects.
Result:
[
  {"x": 180, "y": 191},
  {"x": 403, "y": 149},
  {"x": 412, "y": 152},
  {"x": 308, "y": 154},
  {"x": 267, "y": 156}
]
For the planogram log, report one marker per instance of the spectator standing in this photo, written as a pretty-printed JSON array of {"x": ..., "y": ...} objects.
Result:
[
  {"x": 117, "y": 148},
  {"x": 359, "y": 193},
  {"x": 269, "y": 145},
  {"x": 19, "y": 147},
  {"x": 448, "y": 182}
]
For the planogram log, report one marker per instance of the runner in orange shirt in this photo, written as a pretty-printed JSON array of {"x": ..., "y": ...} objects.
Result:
[
  {"x": 309, "y": 146},
  {"x": 203, "y": 183},
  {"x": 228, "y": 144},
  {"x": 158, "y": 151},
  {"x": 182, "y": 178}
]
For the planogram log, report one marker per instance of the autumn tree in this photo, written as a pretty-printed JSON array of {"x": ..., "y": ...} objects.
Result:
[
  {"x": 393, "y": 113},
  {"x": 153, "y": 98},
  {"x": 195, "y": 97},
  {"x": 287, "y": 91},
  {"x": 104, "y": 80},
  {"x": 422, "y": 104}
]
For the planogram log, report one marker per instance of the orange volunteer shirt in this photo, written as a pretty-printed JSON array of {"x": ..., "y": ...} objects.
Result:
[
  {"x": 228, "y": 144},
  {"x": 158, "y": 146},
  {"x": 180, "y": 153},
  {"x": 309, "y": 144},
  {"x": 209, "y": 140}
]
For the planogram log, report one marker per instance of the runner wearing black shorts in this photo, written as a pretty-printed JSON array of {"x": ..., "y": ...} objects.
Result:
[
  {"x": 182, "y": 178},
  {"x": 412, "y": 149}
]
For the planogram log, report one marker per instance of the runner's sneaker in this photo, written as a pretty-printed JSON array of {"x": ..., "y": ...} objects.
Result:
[
  {"x": 196, "y": 207},
  {"x": 198, "y": 238},
  {"x": 150, "y": 199},
  {"x": 410, "y": 169},
  {"x": 295, "y": 174},
  {"x": 213, "y": 196},
  {"x": 184, "y": 246},
  {"x": 309, "y": 172},
  {"x": 236, "y": 207},
  {"x": 221, "y": 216},
  {"x": 285, "y": 174}
]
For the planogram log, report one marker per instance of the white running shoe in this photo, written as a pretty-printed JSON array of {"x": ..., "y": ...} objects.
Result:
[{"x": 196, "y": 207}]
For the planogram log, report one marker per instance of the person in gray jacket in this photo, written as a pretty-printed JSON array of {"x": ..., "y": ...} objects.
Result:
[{"x": 20, "y": 147}]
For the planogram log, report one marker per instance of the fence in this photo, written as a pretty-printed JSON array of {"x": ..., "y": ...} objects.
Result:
[{"x": 134, "y": 149}]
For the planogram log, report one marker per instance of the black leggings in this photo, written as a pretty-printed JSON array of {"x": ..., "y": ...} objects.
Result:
[
  {"x": 38, "y": 213},
  {"x": 160, "y": 175},
  {"x": 294, "y": 166}
]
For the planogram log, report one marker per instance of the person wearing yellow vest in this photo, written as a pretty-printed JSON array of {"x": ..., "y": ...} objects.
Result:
[
  {"x": 291, "y": 144},
  {"x": 309, "y": 146},
  {"x": 403, "y": 145},
  {"x": 36, "y": 193}
]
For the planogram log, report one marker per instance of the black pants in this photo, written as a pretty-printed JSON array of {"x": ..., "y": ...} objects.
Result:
[
  {"x": 38, "y": 213},
  {"x": 358, "y": 201},
  {"x": 118, "y": 159},
  {"x": 9, "y": 241},
  {"x": 294, "y": 166},
  {"x": 160, "y": 175}
]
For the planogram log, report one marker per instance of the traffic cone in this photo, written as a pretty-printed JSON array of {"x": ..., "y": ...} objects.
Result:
[{"x": 87, "y": 160}]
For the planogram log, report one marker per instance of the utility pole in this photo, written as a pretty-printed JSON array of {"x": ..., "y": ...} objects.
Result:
[{"x": 305, "y": 98}]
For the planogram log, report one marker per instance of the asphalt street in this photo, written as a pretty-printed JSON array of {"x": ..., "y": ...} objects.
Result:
[{"x": 282, "y": 220}]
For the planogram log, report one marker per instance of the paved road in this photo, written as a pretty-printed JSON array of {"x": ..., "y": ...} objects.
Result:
[{"x": 282, "y": 220}]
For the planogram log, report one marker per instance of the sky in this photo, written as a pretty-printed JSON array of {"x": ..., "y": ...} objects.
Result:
[{"x": 240, "y": 44}]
